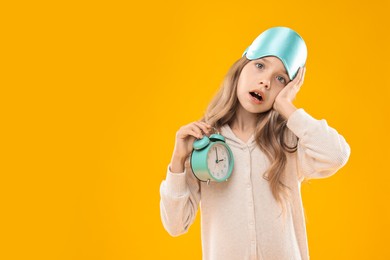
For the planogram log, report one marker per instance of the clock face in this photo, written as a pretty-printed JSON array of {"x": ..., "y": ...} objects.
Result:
[{"x": 218, "y": 161}]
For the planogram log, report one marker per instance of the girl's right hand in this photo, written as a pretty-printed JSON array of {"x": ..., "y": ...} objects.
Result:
[{"x": 185, "y": 138}]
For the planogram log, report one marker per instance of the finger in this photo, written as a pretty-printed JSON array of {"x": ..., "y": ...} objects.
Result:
[
  {"x": 195, "y": 134},
  {"x": 302, "y": 76},
  {"x": 206, "y": 127},
  {"x": 206, "y": 124},
  {"x": 187, "y": 129},
  {"x": 203, "y": 127},
  {"x": 301, "y": 69},
  {"x": 197, "y": 130},
  {"x": 299, "y": 78},
  {"x": 189, "y": 132},
  {"x": 296, "y": 79},
  {"x": 304, "y": 73},
  {"x": 199, "y": 127}
]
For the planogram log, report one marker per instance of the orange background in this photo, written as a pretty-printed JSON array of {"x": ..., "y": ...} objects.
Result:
[{"x": 92, "y": 93}]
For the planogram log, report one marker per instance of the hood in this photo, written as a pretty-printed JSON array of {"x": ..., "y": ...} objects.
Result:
[{"x": 233, "y": 140}]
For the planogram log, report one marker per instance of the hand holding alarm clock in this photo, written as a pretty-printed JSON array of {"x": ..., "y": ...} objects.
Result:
[{"x": 211, "y": 158}]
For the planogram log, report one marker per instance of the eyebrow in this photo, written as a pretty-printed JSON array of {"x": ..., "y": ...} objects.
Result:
[{"x": 284, "y": 69}]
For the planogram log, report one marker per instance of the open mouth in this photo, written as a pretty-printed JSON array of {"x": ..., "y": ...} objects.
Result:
[{"x": 256, "y": 95}]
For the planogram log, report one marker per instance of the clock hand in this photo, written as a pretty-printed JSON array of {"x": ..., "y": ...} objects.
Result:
[{"x": 216, "y": 153}]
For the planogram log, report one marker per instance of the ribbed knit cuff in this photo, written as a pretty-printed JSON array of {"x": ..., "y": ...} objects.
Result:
[
  {"x": 299, "y": 121},
  {"x": 176, "y": 183}
]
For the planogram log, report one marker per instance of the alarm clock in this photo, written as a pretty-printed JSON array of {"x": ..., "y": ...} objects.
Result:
[{"x": 212, "y": 159}]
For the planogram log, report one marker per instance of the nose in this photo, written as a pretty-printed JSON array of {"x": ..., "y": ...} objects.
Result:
[
  {"x": 265, "y": 82},
  {"x": 265, "y": 79}
]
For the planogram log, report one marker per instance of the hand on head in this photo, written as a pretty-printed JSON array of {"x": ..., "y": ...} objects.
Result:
[{"x": 289, "y": 92}]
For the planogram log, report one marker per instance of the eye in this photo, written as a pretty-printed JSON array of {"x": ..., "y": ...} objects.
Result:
[
  {"x": 259, "y": 65},
  {"x": 281, "y": 79}
]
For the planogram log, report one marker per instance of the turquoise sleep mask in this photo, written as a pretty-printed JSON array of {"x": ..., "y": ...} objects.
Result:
[{"x": 283, "y": 43}]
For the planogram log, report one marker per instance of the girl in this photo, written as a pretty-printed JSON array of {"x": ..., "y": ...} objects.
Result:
[{"x": 258, "y": 212}]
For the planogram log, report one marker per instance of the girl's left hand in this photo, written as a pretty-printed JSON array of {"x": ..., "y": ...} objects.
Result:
[{"x": 288, "y": 93}]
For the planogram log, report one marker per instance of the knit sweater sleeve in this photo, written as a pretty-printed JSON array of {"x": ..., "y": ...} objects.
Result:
[
  {"x": 321, "y": 150},
  {"x": 180, "y": 196}
]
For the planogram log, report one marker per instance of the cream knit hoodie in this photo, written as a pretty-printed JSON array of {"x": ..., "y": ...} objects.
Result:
[{"x": 240, "y": 219}]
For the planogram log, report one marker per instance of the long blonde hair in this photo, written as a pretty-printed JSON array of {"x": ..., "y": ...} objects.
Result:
[{"x": 270, "y": 133}]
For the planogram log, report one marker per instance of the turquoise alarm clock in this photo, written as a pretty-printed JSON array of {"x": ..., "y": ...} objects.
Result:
[{"x": 212, "y": 159}]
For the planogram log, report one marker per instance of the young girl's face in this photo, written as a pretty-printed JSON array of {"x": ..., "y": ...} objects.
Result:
[{"x": 260, "y": 82}]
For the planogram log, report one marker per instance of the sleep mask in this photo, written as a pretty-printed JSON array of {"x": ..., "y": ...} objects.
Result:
[{"x": 283, "y": 43}]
